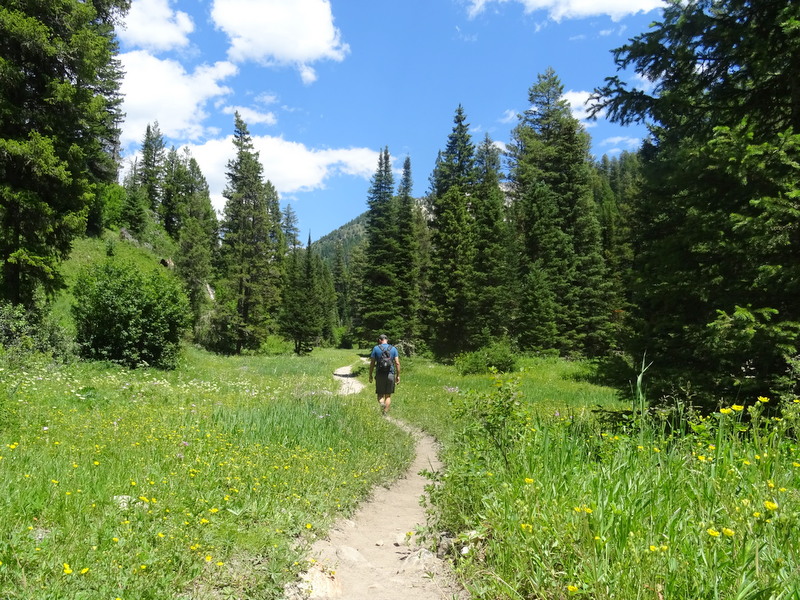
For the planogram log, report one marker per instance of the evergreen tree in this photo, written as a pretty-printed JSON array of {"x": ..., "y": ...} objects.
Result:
[
  {"x": 249, "y": 289},
  {"x": 175, "y": 192},
  {"x": 550, "y": 163},
  {"x": 197, "y": 240},
  {"x": 716, "y": 234},
  {"x": 379, "y": 307},
  {"x": 456, "y": 164},
  {"x": 303, "y": 313},
  {"x": 492, "y": 267},
  {"x": 342, "y": 285},
  {"x": 134, "y": 211},
  {"x": 407, "y": 258},
  {"x": 59, "y": 116},
  {"x": 291, "y": 232},
  {"x": 150, "y": 174},
  {"x": 452, "y": 274},
  {"x": 452, "y": 293}
]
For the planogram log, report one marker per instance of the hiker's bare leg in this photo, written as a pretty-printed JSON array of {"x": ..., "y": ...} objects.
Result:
[{"x": 387, "y": 402}]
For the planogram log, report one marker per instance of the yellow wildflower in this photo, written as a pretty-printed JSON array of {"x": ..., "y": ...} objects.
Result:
[
  {"x": 737, "y": 407},
  {"x": 712, "y": 532},
  {"x": 725, "y": 411},
  {"x": 763, "y": 399},
  {"x": 769, "y": 505},
  {"x": 728, "y": 532}
]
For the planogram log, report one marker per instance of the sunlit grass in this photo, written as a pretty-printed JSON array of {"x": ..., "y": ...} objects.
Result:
[
  {"x": 144, "y": 484},
  {"x": 555, "y": 503}
]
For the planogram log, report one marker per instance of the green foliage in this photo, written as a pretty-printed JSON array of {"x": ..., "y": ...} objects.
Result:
[
  {"x": 211, "y": 478},
  {"x": 716, "y": 231},
  {"x": 128, "y": 316},
  {"x": 498, "y": 356},
  {"x": 58, "y": 117},
  {"x": 553, "y": 501},
  {"x": 248, "y": 288},
  {"x": 558, "y": 226},
  {"x": 24, "y": 333}
]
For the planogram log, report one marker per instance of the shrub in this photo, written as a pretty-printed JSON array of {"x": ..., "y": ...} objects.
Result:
[
  {"x": 23, "y": 332},
  {"x": 498, "y": 355},
  {"x": 129, "y": 317}
]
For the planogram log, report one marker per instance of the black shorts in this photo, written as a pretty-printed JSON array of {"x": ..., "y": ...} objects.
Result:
[{"x": 384, "y": 384}]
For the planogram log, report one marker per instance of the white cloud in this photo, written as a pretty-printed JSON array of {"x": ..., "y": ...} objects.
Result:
[
  {"x": 622, "y": 143},
  {"x": 578, "y": 105},
  {"x": 153, "y": 25},
  {"x": 509, "y": 116},
  {"x": 292, "y": 167},
  {"x": 251, "y": 116},
  {"x": 163, "y": 91},
  {"x": 575, "y": 9},
  {"x": 280, "y": 32}
]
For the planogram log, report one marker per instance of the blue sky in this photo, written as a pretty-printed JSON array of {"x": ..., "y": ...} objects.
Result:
[{"x": 325, "y": 84}]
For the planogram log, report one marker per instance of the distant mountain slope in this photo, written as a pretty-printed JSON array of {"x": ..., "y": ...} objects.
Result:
[{"x": 350, "y": 235}]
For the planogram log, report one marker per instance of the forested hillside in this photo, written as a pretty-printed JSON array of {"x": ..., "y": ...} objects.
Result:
[{"x": 678, "y": 261}]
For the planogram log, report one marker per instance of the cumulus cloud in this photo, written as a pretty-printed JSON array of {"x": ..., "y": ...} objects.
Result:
[
  {"x": 277, "y": 32},
  {"x": 153, "y": 25},
  {"x": 292, "y": 167},
  {"x": 251, "y": 116},
  {"x": 578, "y": 105},
  {"x": 163, "y": 91},
  {"x": 574, "y": 9}
]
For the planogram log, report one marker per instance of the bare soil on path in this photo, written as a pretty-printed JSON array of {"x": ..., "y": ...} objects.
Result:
[{"x": 375, "y": 555}]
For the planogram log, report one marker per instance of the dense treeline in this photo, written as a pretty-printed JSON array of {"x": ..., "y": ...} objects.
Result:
[{"x": 681, "y": 258}]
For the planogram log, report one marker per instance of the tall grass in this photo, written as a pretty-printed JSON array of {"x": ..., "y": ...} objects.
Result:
[
  {"x": 199, "y": 483},
  {"x": 663, "y": 506}
]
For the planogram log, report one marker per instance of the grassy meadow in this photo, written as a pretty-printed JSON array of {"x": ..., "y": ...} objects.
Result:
[
  {"x": 210, "y": 481},
  {"x": 203, "y": 482}
]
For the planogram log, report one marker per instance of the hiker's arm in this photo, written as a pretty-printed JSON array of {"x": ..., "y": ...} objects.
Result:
[
  {"x": 396, "y": 368},
  {"x": 371, "y": 366}
]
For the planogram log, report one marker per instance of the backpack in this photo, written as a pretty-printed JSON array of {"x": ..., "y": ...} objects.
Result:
[{"x": 385, "y": 360}]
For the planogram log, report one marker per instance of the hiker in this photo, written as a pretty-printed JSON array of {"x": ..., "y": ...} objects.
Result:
[{"x": 386, "y": 359}]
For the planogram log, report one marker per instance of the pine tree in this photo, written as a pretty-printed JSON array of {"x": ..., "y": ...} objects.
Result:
[
  {"x": 134, "y": 212},
  {"x": 198, "y": 237},
  {"x": 407, "y": 258},
  {"x": 550, "y": 164},
  {"x": 175, "y": 190},
  {"x": 291, "y": 232},
  {"x": 249, "y": 290},
  {"x": 451, "y": 296},
  {"x": 150, "y": 174},
  {"x": 379, "y": 307},
  {"x": 59, "y": 116},
  {"x": 303, "y": 312},
  {"x": 715, "y": 233},
  {"x": 492, "y": 266}
]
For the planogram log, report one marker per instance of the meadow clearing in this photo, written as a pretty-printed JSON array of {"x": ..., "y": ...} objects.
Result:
[{"x": 210, "y": 481}]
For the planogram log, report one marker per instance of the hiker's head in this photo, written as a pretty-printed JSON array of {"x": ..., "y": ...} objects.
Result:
[{"x": 383, "y": 338}]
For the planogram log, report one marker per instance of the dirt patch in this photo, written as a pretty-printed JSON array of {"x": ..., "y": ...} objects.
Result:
[
  {"x": 376, "y": 555},
  {"x": 348, "y": 382}
]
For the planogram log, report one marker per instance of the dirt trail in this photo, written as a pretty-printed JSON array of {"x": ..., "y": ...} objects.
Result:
[{"x": 374, "y": 555}]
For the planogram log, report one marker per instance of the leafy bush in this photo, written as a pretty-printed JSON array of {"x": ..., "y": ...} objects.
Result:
[
  {"x": 129, "y": 317},
  {"x": 23, "y": 332},
  {"x": 498, "y": 355}
]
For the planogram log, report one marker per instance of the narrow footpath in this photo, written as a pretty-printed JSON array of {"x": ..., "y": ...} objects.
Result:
[{"x": 374, "y": 555}]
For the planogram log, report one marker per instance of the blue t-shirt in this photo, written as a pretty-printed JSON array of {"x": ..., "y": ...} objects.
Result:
[{"x": 377, "y": 352}]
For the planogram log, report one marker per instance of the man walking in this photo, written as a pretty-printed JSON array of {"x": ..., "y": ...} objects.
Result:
[{"x": 385, "y": 357}]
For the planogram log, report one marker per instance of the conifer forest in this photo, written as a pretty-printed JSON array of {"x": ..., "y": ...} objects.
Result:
[{"x": 681, "y": 259}]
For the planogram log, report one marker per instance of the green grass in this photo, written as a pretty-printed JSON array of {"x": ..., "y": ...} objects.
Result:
[
  {"x": 210, "y": 481},
  {"x": 554, "y": 504},
  {"x": 203, "y": 482}
]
